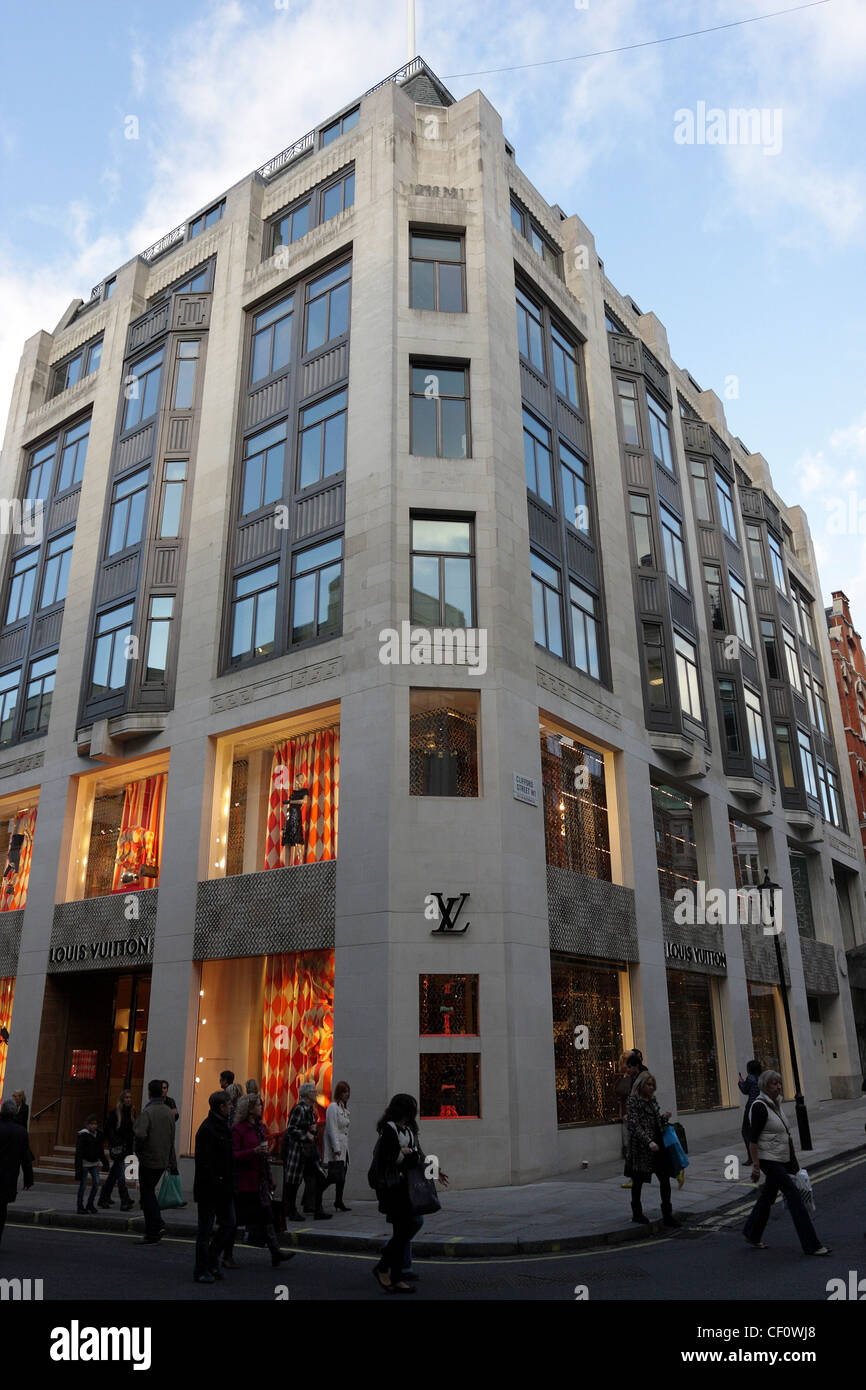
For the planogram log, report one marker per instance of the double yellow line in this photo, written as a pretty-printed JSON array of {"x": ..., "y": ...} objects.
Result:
[{"x": 734, "y": 1214}]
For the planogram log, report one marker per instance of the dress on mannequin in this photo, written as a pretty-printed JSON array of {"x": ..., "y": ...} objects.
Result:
[{"x": 293, "y": 830}]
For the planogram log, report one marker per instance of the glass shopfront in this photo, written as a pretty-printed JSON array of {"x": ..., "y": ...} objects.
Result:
[
  {"x": 676, "y": 846},
  {"x": 693, "y": 1006},
  {"x": 449, "y": 1086},
  {"x": 765, "y": 1033},
  {"x": 576, "y": 830},
  {"x": 118, "y": 830},
  {"x": 590, "y": 995},
  {"x": 7, "y": 995},
  {"x": 17, "y": 833},
  {"x": 270, "y": 1018}
]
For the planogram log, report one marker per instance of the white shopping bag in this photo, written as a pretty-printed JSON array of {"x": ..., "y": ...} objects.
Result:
[{"x": 804, "y": 1187}]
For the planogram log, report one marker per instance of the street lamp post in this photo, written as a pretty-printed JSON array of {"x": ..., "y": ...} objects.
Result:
[{"x": 768, "y": 892}]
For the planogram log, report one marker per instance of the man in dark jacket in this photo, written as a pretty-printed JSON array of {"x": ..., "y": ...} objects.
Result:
[
  {"x": 213, "y": 1189},
  {"x": 14, "y": 1155},
  {"x": 154, "y": 1141}
]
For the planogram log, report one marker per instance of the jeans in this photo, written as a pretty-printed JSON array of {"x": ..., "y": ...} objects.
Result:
[
  {"x": 210, "y": 1245},
  {"x": 777, "y": 1180},
  {"x": 115, "y": 1175},
  {"x": 396, "y": 1257},
  {"x": 147, "y": 1181},
  {"x": 89, "y": 1172}
]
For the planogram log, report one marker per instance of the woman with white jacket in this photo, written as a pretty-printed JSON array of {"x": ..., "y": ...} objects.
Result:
[{"x": 336, "y": 1143}]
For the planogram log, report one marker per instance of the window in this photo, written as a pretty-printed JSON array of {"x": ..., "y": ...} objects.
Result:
[
  {"x": 328, "y": 307},
  {"x": 9, "y": 683},
  {"x": 835, "y": 797},
  {"x": 339, "y": 127},
  {"x": 730, "y": 718},
  {"x": 264, "y": 456},
  {"x": 771, "y": 650},
  {"x": 803, "y": 616},
  {"x": 676, "y": 846},
  {"x": 449, "y": 1085},
  {"x": 55, "y": 579},
  {"x": 440, "y": 411},
  {"x": 110, "y": 653},
  {"x": 158, "y": 632},
  {"x": 821, "y": 716},
  {"x": 272, "y": 339},
  {"x": 184, "y": 382},
  {"x": 726, "y": 505},
  {"x": 627, "y": 393},
  {"x": 536, "y": 457},
  {"x": 585, "y": 1078},
  {"x": 529, "y": 335},
  {"x": 546, "y": 605},
  {"x": 76, "y": 368},
  {"x": 317, "y": 591},
  {"x": 172, "y": 498},
  {"x": 142, "y": 389},
  {"x": 694, "y": 1042},
  {"x": 523, "y": 223},
  {"x": 443, "y": 742},
  {"x": 792, "y": 662},
  {"x": 254, "y": 611},
  {"x": 576, "y": 825},
  {"x": 641, "y": 527},
  {"x": 584, "y": 629},
  {"x": 37, "y": 701},
  {"x": 713, "y": 581},
  {"x": 517, "y": 218},
  {"x": 322, "y": 439},
  {"x": 756, "y": 551},
  {"x": 755, "y": 722},
  {"x": 660, "y": 433},
  {"x": 73, "y": 456},
  {"x": 193, "y": 284},
  {"x": 38, "y": 483},
  {"x": 784, "y": 755},
  {"x": 338, "y": 196},
  {"x": 612, "y": 324},
  {"x": 687, "y": 676},
  {"x": 777, "y": 563},
  {"x": 129, "y": 501},
  {"x": 806, "y": 762},
  {"x": 448, "y": 1006},
  {"x": 207, "y": 219},
  {"x": 443, "y": 562},
  {"x": 742, "y": 625},
  {"x": 672, "y": 547},
  {"x": 653, "y": 647},
  {"x": 575, "y": 501},
  {"x": 822, "y": 787},
  {"x": 109, "y": 287},
  {"x": 436, "y": 272},
  {"x": 291, "y": 226},
  {"x": 810, "y": 695},
  {"x": 703, "y": 508},
  {"x": 565, "y": 367},
  {"x": 22, "y": 580}
]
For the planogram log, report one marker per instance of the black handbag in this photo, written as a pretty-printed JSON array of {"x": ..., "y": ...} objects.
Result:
[{"x": 422, "y": 1193}]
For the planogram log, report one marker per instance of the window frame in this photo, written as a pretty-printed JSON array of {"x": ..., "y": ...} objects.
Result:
[
  {"x": 25, "y": 690},
  {"x": 740, "y": 609},
  {"x": 755, "y": 724},
  {"x": 126, "y": 427},
  {"x": 69, "y": 532},
  {"x": 689, "y": 661},
  {"x": 437, "y": 234},
  {"x": 249, "y": 657},
  {"x": 115, "y": 502},
  {"x": 792, "y": 660},
  {"x": 546, "y": 586},
  {"x": 339, "y": 121},
  {"x": 317, "y": 570},
  {"x": 84, "y": 354},
  {"x": 648, "y": 517},
  {"x": 755, "y": 539},
  {"x": 658, "y": 414},
  {"x": 729, "y": 705},
  {"x": 591, "y": 623},
  {"x": 206, "y": 220},
  {"x": 777, "y": 563},
  {"x": 441, "y": 556},
  {"x": 725, "y": 498},
  {"x": 113, "y": 632},
  {"x": 673, "y": 550},
  {"x": 432, "y": 367}
]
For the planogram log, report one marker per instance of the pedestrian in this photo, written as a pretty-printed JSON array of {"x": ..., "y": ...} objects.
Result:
[
  {"x": 22, "y": 1113},
  {"x": 253, "y": 1179},
  {"x": 120, "y": 1140},
  {"x": 772, "y": 1153},
  {"x": 213, "y": 1189},
  {"x": 398, "y": 1150},
  {"x": 154, "y": 1138},
  {"x": 749, "y": 1088},
  {"x": 646, "y": 1149},
  {"x": 335, "y": 1149},
  {"x": 226, "y": 1079},
  {"x": 89, "y": 1157},
  {"x": 15, "y": 1156},
  {"x": 233, "y": 1093},
  {"x": 252, "y": 1088},
  {"x": 301, "y": 1158},
  {"x": 632, "y": 1064},
  {"x": 172, "y": 1105}
]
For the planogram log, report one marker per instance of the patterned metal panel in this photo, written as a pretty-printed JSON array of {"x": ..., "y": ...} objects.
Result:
[
  {"x": 720, "y": 661},
  {"x": 142, "y": 330},
  {"x": 764, "y": 600},
  {"x": 64, "y": 511},
  {"x": 655, "y": 373},
  {"x": 325, "y": 370},
  {"x": 749, "y": 667},
  {"x": 97, "y": 934},
  {"x": 533, "y": 389},
  {"x": 668, "y": 488},
  {"x": 572, "y": 427},
  {"x": 750, "y": 501},
  {"x": 46, "y": 631},
  {"x": 682, "y": 610},
  {"x": 700, "y": 937},
  {"x": 819, "y": 967},
  {"x": 696, "y": 436},
  {"x": 257, "y": 538},
  {"x": 814, "y": 661},
  {"x": 771, "y": 511},
  {"x": 316, "y": 513},
  {"x": 779, "y": 702},
  {"x": 648, "y": 594},
  {"x": 267, "y": 913},
  {"x": 624, "y": 352},
  {"x": 165, "y": 564},
  {"x": 10, "y": 941},
  {"x": 759, "y": 955},
  {"x": 801, "y": 709},
  {"x": 589, "y": 917},
  {"x": 267, "y": 401},
  {"x": 732, "y": 555},
  {"x": 786, "y": 612},
  {"x": 720, "y": 451},
  {"x": 543, "y": 530},
  {"x": 581, "y": 557},
  {"x": 709, "y": 541},
  {"x": 118, "y": 579},
  {"x": 135, "y": 448},
  {"x": 637, "y": 469},
  {"x": 178, "y": 433},
  {"x": 191, "y": 311},
  {"x": 12, "y": 645}
]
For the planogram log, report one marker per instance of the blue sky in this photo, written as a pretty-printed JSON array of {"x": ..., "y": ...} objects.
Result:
[{"x": 753, "y": 261}]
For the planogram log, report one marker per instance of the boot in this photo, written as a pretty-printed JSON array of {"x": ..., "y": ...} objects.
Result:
[
  {"x": 637, "y": 1214},
  {"x": 278, "y": 1256},
  {"x": 668, "y": 1218}
]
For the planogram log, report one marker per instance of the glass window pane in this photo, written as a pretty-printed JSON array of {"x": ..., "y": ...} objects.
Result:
[
  {"x": 311, "y": 449},
  {"x": 425, "y": 590},
  {"x": 423, "y": 285},
  {"x": 304, "y": 599},
  {"x": 119, "y": 663},
  {"x": 242, "y": 634},
  {"x": 282, "y": 343},
  {"x": 332, "y": 201},
  {"x": 266, "y": 615},
  {"x": 300, "y": 222},
  {"x": 453, "y": 429},
  {"x": 335, "y": 444},
  {"x": 261, "y": 356},
  {"x": 185, "y": 385},
  {"x": 458, "y": 593},
  {"x": 330, "y": 590},
  {"x": 157, "y": 651},
  {"x": 451, "y": 289},
  {"x": 447, "y": 535},
  {"x": 538, "y": 612},
  {"x": 318, "y": 555},
  {"x": 317, "y": 319},
  {"x": 554, "y": 622},
  {"x": 423, "y": 426}
]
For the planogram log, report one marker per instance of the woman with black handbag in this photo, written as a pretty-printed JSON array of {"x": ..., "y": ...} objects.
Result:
[
  {"x": 301, "y": 1157},
  {"x": 119, "y": 1138},
  {"x": 404, "y": 1191},
  {"x": 647, "y": 1154}
]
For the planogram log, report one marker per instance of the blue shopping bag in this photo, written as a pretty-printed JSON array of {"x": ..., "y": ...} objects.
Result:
[{"x": 677, "y": 1155}]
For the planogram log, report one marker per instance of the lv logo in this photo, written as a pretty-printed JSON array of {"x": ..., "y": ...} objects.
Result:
[{"x": 449, "y": 915}]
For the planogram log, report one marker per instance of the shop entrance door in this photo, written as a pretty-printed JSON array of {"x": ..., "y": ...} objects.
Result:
[{"x": 129, "y": 1039}]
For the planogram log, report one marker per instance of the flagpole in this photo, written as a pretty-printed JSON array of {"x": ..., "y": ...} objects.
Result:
[{"x": 410, "y": 20}]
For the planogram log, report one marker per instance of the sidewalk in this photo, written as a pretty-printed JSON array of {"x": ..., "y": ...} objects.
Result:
[{"x": 584, "y": 1208}]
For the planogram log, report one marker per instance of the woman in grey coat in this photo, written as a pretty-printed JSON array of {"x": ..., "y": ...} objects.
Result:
[{"x": 646, "y": 1149}]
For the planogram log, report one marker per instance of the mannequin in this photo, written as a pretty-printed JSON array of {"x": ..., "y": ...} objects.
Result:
[{"x": 294, "y": 830}]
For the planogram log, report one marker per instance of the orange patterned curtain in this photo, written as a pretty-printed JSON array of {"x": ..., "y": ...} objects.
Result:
[
  {"x": 298, "y": 1031},
  {"x": 13, "y": 892},
  {"x": 311, "y": 761},
  {"x": 139, "y": 843},
  {"x": 7, "y": 994}
]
